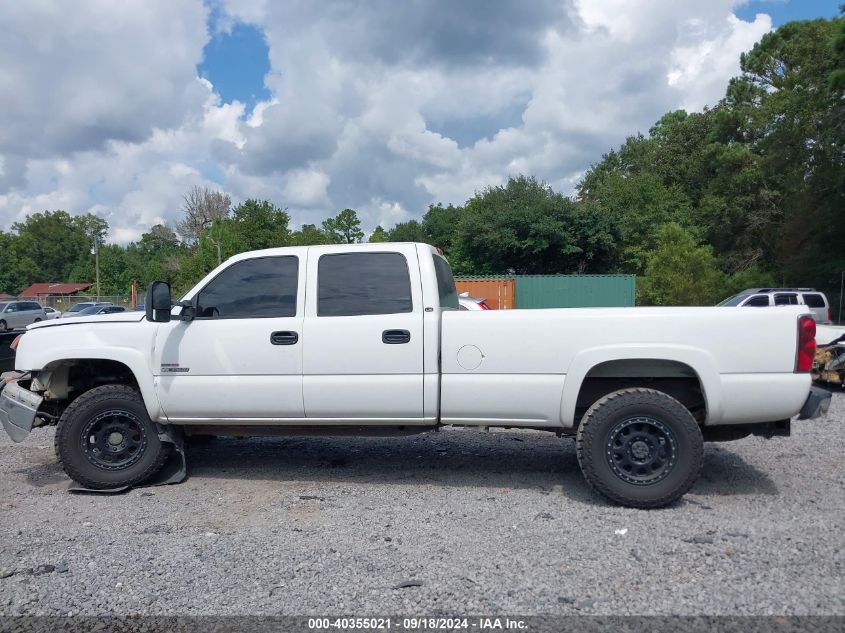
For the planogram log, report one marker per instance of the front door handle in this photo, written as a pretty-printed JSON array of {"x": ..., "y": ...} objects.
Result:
[
  {"x": 395, "y": 337},
  {"x": 284, "y": 338}
]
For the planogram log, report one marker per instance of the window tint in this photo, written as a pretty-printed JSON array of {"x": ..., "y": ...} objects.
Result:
[
  {"x": 32, "y": 305},
  {"x": 786, "y": 299},
  {"x": 352, "y": 284},
  {"x": 445, "y": 283},
  {"x": 814, "y": 300},
  {"x": 262, "y": 287},
  {"x": 758, "y": 301}
]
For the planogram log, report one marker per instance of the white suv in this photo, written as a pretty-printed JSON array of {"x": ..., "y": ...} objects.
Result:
[{"x": 765, "y": 297}]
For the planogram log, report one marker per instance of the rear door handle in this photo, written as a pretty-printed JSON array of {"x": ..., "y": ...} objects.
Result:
[
  {"x": 395, "y": 337},
  {"x": 284, "y": 338}
]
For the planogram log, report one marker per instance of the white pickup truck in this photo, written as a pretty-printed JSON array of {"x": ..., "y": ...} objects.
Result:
[{"x": 368, "y": 339}]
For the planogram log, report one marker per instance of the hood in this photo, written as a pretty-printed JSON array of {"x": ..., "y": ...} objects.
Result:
[{"x": 130, "y": 316}]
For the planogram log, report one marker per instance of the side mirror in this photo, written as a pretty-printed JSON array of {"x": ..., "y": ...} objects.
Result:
[{"x": 158, "y": 302}]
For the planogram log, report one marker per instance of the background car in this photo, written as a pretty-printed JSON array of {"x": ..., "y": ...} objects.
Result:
[
  {"x": 52, "y": 313},
  {"x": 17, "y": 314},
  {"x": 465, "y": 302},
  {"x": 75, "y": 309},
  {"x": 99, "y": 309},
  {"x": 765, "y": 297}
]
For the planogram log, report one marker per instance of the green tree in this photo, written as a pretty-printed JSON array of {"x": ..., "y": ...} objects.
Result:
[
  {"x": 344, "y": 228},
  {"x": 378, "y": 235},
  {"x": 680, "y": 271},
  {"x": 310, "y": 235},
  {"x": 410, "y": 231},
  {"x": 524, "y": 227},
  {"x": 260, "y": 224},
  {"x": 439, "y": 224},
  {"x": 60, "y": 244}
]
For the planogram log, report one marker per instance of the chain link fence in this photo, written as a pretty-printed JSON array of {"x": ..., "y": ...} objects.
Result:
[{"x": 63, "y": 302}]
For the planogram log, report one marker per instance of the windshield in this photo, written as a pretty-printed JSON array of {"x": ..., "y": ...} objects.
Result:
[
  {"x": 733, "y": 301},
  {"x": 3, "y": 306},
  {"x": 79, "y": 306},
  {"x": 90, "y": 310}
]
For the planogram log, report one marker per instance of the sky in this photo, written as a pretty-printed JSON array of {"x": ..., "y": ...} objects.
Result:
[{"x": 385, "y": 107}]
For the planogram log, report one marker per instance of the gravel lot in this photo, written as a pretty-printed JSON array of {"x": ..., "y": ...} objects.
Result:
[{"x": 495, "y": 522}]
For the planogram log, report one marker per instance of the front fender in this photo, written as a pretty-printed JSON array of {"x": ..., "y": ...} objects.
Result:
[
  {"x": 33, "y": 355},
  {"x": 700, "y": 361}
]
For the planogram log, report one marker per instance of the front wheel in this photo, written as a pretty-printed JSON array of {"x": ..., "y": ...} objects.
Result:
[
  {"x": 640, "y": 448},
  {"x": 3, "y": 326},
  {"x": 105, "y": 439}
]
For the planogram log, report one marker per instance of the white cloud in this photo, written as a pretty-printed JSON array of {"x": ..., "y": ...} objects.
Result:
[{"x": 381, "y": 107}]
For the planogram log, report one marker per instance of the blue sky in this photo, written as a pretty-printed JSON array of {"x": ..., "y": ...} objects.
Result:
[
  {"x": 381, "y": 106},
  {"x": 782, "y": 11},
  {"x": 235, "y": 61}
]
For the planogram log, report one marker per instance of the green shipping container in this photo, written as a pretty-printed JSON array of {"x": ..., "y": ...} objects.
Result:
[{"x": 575, "y": 291}]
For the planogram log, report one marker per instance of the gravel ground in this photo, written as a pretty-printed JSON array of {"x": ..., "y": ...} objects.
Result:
[{"x": 475, "y": 522}]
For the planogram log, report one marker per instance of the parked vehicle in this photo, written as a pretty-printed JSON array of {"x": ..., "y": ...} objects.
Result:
[
  {"x": 18, "y": 314},
  {"x": 764, "y": 297},
  {"x": 100, "y": 309},
  {"x": 52, "y": 313},
  {"x": 7, "y": 354},
  {"x": 465, "y": 302},
  {"x": 84, "y": 305},
  {"x": 366, "y": 338}
]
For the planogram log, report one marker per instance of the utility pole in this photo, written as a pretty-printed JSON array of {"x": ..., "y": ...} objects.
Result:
[
  {"x": 841, "y": 288},
  {"x": 97, "y": 263}
]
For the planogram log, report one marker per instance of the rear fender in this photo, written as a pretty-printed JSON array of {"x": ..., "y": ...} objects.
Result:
[{"x": 700, "y": 361}]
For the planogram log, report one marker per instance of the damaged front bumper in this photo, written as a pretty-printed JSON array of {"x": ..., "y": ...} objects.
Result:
[{"x": 18, "y": 408}]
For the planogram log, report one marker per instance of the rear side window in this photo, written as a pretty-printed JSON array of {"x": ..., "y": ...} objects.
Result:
[
  {"x": 356, "y": 284},
  {"x": 786, "y": 299},
  {"x": 445, "y": 283},
  {"x": 254, "y": 288},
  {"x": 814, "y": 300},
  {"x": 757, "y": 301},
  {"x": 32, "y": 305}
]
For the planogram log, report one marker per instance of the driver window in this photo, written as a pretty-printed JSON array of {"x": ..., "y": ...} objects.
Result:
[{"x": 263, "y": 287}]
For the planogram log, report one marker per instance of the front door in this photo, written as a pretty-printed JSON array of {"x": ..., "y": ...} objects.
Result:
[
  {"x": 240, "y": 359},
  {"x": 363, "y": 332}
]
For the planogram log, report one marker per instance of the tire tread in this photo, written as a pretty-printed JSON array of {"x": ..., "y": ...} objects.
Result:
[
  {"x": 611, "y": 403},
  {"x": 90, "y": 398}
]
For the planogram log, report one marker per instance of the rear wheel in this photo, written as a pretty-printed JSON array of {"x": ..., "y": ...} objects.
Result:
[
  {"x": 105, "y": 439},
  {"x": 37, "y": 321},
  {"x": 640, "y": 448}
]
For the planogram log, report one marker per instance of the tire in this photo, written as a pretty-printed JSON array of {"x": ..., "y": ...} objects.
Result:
[
  {"x": 88, "y": 433},
  {"x": 37, "y": 321},
  {"x": 3, "y": 327},
  {"x": 640, "y": 448}
]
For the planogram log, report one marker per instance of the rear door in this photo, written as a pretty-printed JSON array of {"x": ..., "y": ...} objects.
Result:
[
  {"x": 818, "y": 306},
  {"x": 786, "y": 299},
  {"x": 363, "y": 336}
]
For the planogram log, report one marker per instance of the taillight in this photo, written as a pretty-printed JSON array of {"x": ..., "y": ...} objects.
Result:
[
  {"x": 806, "y": 344},
  {"x": 830, "y": 314},
  {"x": 484, "y": 306},
  {"x": 14, "y": 344}
]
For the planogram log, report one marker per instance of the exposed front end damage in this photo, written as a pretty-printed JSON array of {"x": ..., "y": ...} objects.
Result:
[{"x": 18, "y": 405}]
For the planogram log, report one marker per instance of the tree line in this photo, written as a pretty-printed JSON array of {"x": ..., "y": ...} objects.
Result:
[{"x": 748, "y": 192}]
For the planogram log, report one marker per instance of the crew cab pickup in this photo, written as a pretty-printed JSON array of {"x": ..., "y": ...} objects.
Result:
[{"x": 368, "y": 338}]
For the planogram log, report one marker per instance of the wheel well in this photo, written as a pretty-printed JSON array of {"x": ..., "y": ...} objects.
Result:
[
  {"x": 63, "y": 381},
  {"x": 673, "y": 378}
]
